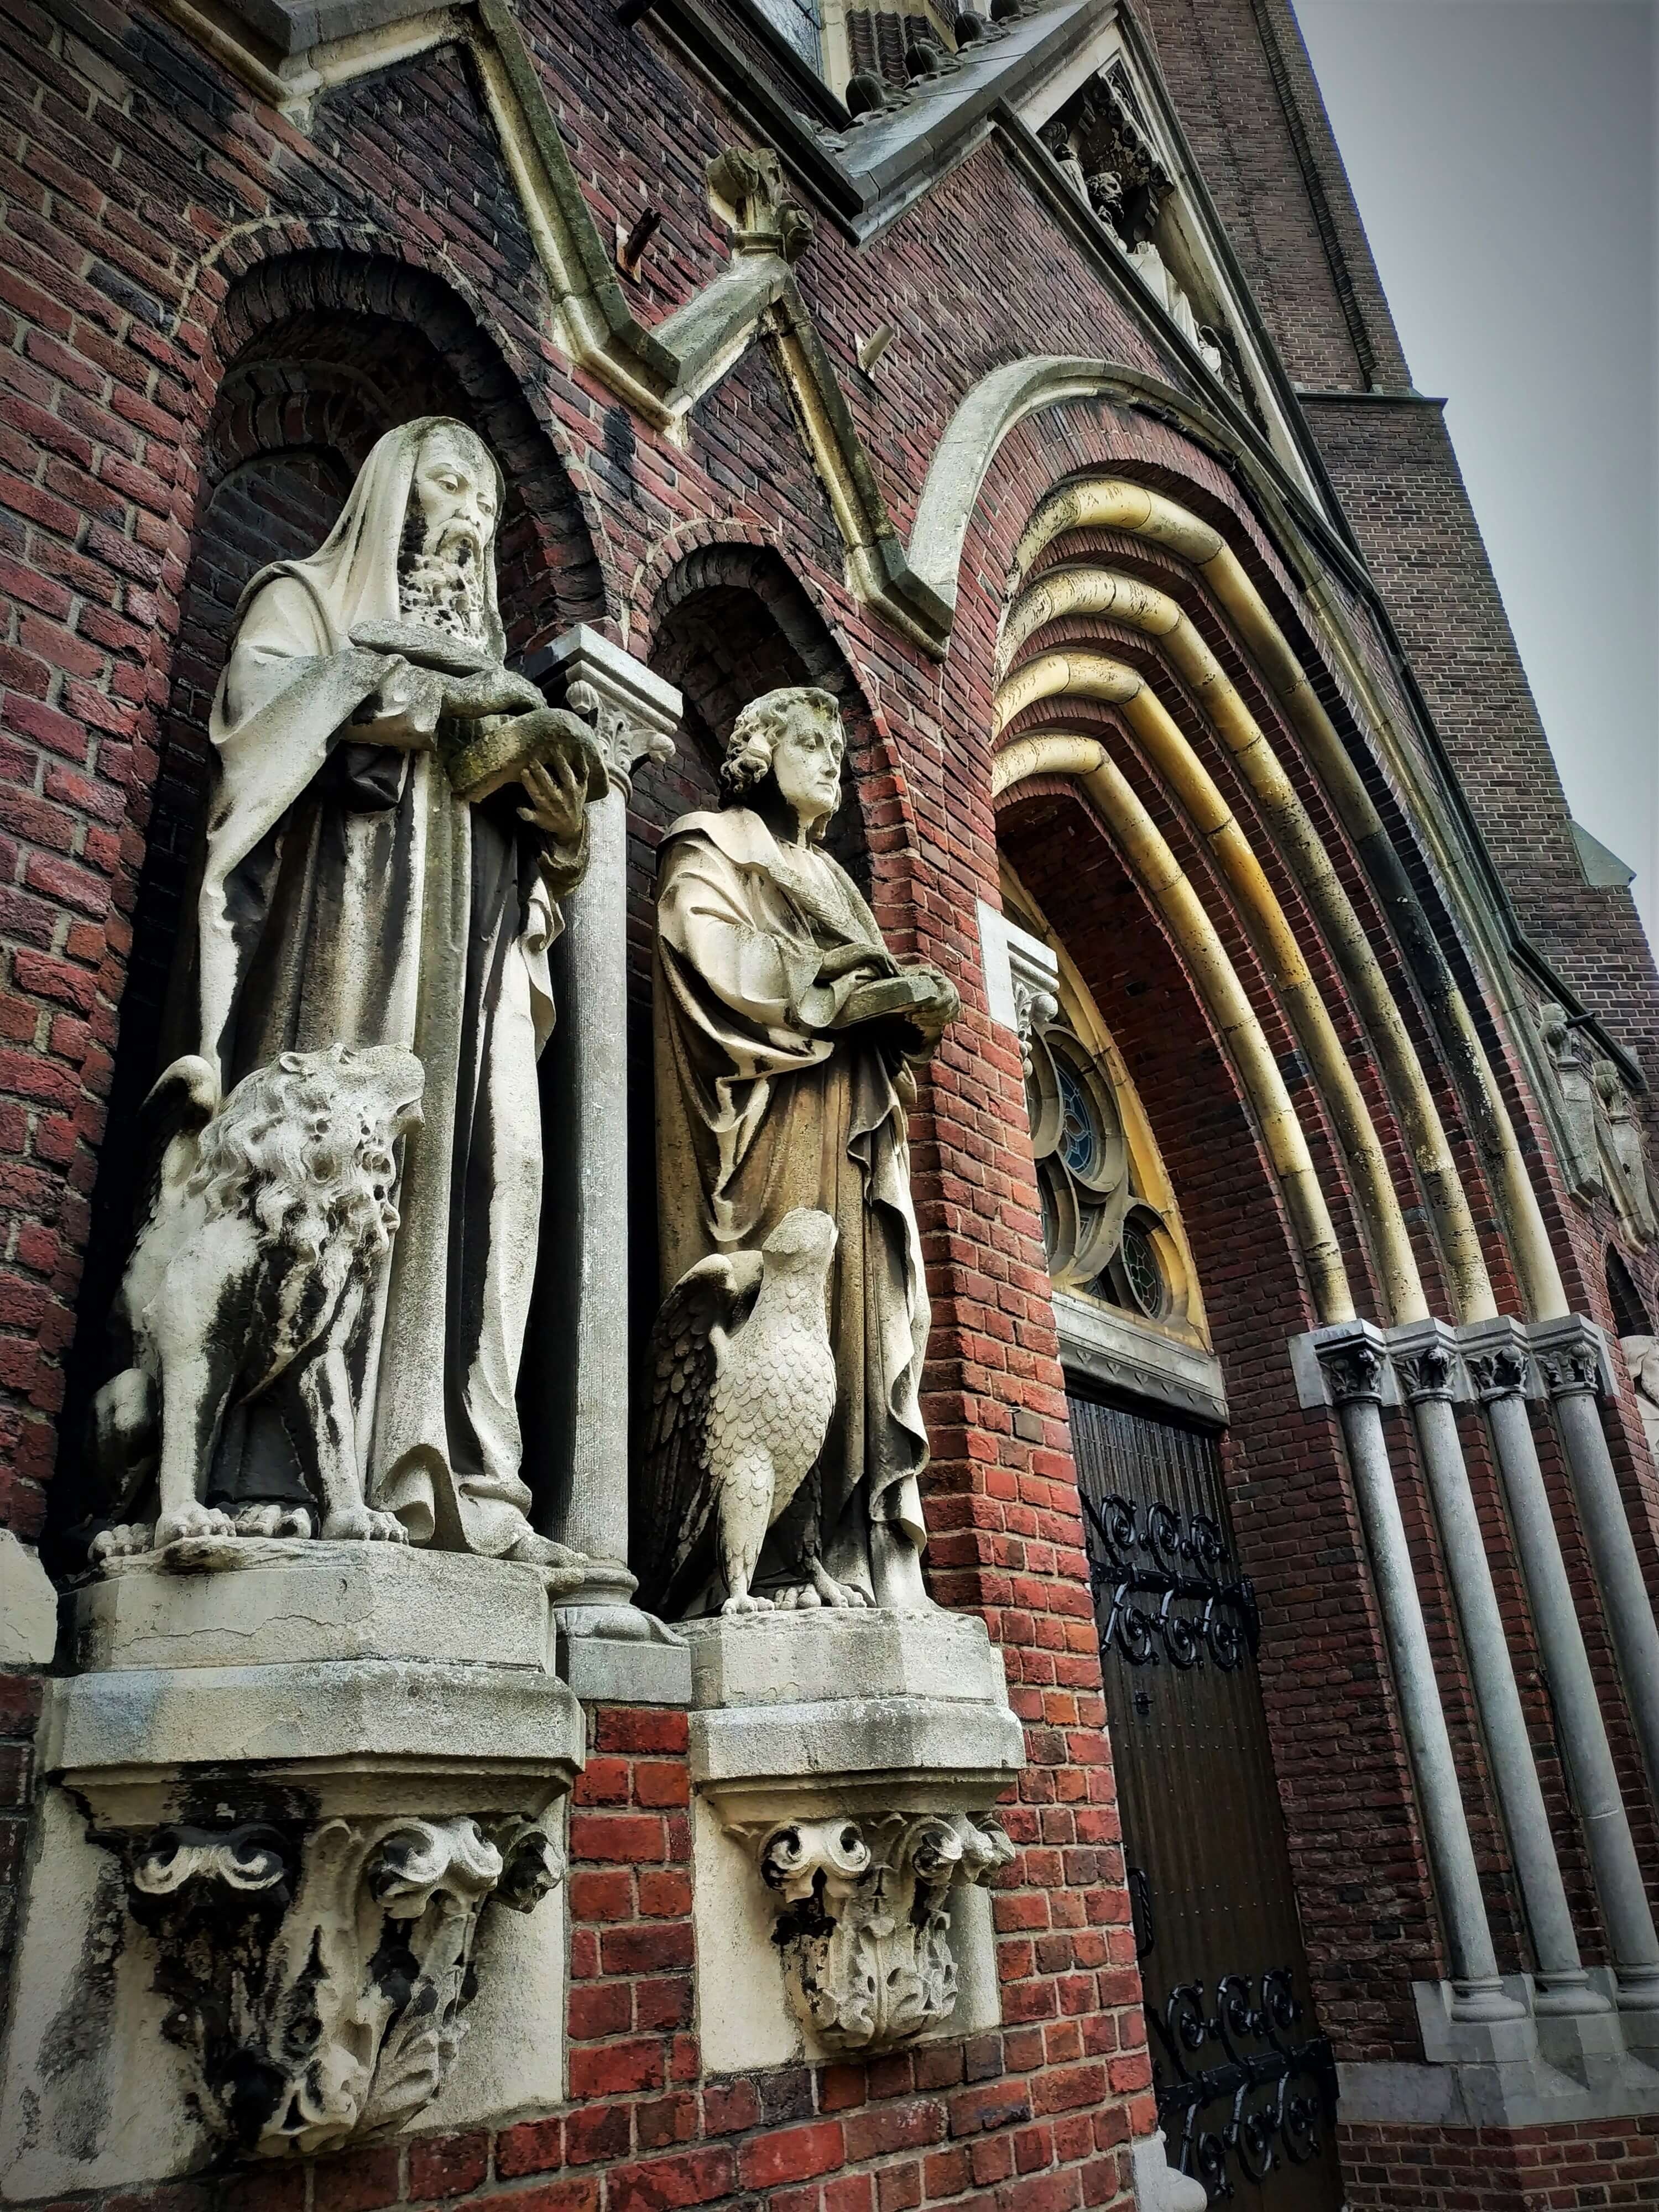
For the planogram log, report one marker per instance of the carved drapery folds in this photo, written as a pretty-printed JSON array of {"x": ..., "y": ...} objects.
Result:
[
  {"x": 395, "y": 815},
  {"x": 786, "y": 1439},
  {"x": 319, "y": 1983},
  {"x": 864, "y": 1918}
]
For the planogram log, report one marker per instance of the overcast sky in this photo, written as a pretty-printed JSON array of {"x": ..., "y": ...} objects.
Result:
[{"x": 1504, "y": 154}]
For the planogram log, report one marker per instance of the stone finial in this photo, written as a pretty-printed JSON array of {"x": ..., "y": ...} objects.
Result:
[{"x": 748, "y": 193}]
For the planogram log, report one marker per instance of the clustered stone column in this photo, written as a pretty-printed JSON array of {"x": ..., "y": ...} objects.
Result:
[
  {"x": 1351, "y": 1359},
  {"x": 1432, "y": 1367},
  {"x": 1426, "y": 1362},
  {"x": 1499, "y": 1363}
]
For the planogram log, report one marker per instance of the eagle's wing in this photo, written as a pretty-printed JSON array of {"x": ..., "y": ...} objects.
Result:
[{"x": 674, "y": 1490}]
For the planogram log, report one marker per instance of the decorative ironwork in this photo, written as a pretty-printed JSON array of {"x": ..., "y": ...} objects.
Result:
[
  {"x": 1278, "y": 2092},
  {"x": 1183, "y": 1561}
]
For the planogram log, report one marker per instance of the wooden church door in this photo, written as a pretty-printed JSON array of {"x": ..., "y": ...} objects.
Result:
[{"x": 1246, "y": 2085}]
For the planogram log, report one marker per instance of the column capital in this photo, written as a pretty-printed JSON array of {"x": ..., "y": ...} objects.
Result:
[
  {"x": 1427, "y": 1362},
  {"x": 1344, "y": 1364},
  {"x": 1572, "y": 1355},
  {"x": 634, "y": 712},
  {"x": 1498, "y": 1359}
]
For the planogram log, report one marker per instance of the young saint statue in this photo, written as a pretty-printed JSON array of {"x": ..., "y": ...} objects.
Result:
[
  {"x": 351, "y": 895},
  {"x": 786, "y": 1038}
]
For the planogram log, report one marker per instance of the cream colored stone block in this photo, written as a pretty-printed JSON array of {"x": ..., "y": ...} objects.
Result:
[
  {"x": 28, "y": 1607},
  {"x": 309, "y": 1602},
  {"x": 745, "y": 2016},
  {"x": 95, "y": 2096}
]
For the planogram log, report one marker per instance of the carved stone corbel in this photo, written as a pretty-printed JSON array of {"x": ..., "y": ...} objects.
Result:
[
  {"x": 319, "y": 1982},
  {"x": 864, "y": 1917}
]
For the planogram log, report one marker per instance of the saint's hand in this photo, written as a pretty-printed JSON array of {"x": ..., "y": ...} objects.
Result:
[
  {"x": 557, "y": 793},
  {"x": 862, "y": 960},
  {"x": 935, "y": 1014}
]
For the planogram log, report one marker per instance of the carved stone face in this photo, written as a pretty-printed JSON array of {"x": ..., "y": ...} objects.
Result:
[
  {"x": 448, "y": 532},
  {"x": 806, "y": 766}
]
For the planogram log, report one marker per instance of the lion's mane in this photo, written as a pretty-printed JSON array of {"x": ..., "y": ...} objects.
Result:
[{"x": 298, "y": 1146}]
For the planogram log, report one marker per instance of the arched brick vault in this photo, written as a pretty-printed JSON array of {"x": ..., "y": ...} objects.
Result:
[
  {"x": 321, "y": 356},
  {"x": 1343, "y": 1782},
  {"x": 1099, "y": 721}
]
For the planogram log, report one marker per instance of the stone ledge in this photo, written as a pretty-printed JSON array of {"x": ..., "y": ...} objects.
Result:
[
  {"x": 135, "y": 1729},
  {"x": 297, "y": 1602},
  {"x": 907, "y": 1709}
]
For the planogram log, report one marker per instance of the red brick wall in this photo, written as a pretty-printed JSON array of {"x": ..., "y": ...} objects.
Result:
[{"x": 1545, "y": 2169}]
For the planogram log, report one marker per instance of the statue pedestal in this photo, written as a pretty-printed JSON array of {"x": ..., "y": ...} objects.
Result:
[
  {"x": 318, "y": 1794},
  {"x": 845, "y": 1768}
]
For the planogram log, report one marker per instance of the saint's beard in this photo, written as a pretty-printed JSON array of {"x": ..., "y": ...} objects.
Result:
[{"x": 442, "y": 588}]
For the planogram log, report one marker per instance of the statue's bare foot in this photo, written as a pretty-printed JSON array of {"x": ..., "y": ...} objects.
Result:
[
  {"x": 273, "y": 1520},
  {"x": 363, "y": 1524},
  {"x": 747, "y": 1603},
  {"x": 845, "y": 1596},
  {"x": 191, "y": 1521},
  {"x": 125, "y": 1540}
]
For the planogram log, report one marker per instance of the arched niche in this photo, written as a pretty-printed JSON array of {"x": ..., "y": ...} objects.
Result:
[{"x": 323, "y": 353}]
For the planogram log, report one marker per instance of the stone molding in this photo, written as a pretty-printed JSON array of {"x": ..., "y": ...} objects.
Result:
[{"x": 634, "y": 712}]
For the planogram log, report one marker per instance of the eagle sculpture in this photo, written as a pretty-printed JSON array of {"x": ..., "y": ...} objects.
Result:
[{"x": 743, "y": 1386}]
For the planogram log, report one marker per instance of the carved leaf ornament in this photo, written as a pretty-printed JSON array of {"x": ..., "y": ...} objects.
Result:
[
  {"x": 865, "y": 1931},
  {"x": 320, "y": 1985}
]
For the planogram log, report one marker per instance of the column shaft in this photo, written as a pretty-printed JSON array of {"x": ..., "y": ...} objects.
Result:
[
  {"x": 1480, "y": 1994},
  {"x": 1563, "y": 1983},
  {"x": 594, "y": 1014},
  {"x": 1572, "y": 1686},
  {"x": 1618, "y": 1569}
]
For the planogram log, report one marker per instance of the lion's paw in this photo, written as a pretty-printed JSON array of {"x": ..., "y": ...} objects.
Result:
[
  {"x": 190, "y": 1521},
  {"x": 746, "y": 1604},
  {"x": 125, "y": 1540},
  {"x": 363, "y": 1524},
  {"x": 273, "y": 1520}
]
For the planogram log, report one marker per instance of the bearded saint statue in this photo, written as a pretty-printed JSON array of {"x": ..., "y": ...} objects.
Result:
[
  {"x": 351, "y": 895},
  {"x": 783, "y": 1075}
]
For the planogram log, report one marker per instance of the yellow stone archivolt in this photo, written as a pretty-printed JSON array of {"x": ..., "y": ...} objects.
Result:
[
  {"x": 1117, "y": 504},
  {"x": 1143, "y": 846},
  {"x": 1092, "y": 590},
  {"x": 1093, "y": 676}
]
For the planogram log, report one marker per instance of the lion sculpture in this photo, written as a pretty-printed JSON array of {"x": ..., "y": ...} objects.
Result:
[{"x": 271, "y": 1215}]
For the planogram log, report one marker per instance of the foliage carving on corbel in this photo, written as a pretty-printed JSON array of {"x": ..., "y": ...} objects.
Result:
[
  {"x": 864, "y": 1918},
  {"x": 318, "y": 1981}
]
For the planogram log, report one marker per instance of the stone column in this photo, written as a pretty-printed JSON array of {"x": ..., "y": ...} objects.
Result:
[
  {"x": 1432, "y": 1379},
  {"x": 1499, "y": 1365},
  {"x": 1573, "y": 1360},
  {"x": 1351, "y": 1362},
  {"x": 607, "y": 1646}
]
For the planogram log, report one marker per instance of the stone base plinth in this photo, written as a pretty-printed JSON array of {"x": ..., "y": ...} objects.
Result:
[
  {"x": 275, "y": 1778},
  {"x": 846, "y": 1767}
]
